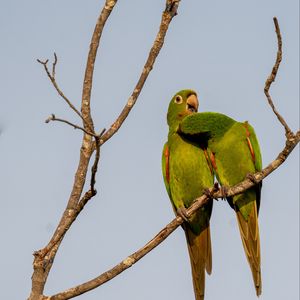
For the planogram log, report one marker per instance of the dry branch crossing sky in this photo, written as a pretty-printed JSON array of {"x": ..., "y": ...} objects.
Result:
[{"x": 222, "y": 50}]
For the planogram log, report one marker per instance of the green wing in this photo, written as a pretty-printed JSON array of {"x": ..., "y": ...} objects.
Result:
[
  {"x": 206, "y": 124},
  {"x": 237, "y": 154},
  {"x": 255, "y": 146}
]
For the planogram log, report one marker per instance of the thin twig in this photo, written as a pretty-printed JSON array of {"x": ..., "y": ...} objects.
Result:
[
  {"x": 168, "y": 14},
  {"x": 95, "y": 165},
  {"x": 272, "y": 77},
  {"x": 52, "y": 117},
  {"x": 54, "y": 65},
  {"x": 92, "y": 191},
  {"x": 53, "y": 80},
  {"x": 166, "y": 231}
]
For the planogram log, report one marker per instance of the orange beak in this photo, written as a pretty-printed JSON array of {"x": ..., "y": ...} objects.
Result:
[{"x": 192, "y": 103}]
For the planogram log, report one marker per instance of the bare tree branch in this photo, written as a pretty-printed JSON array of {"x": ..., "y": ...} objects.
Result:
[
  {"x": 168, "y": 14},
  {"x": 44, "y": 258},
  {"x": 52, "y": 117},
  {"x": 53, "y": 80},
  {"x": 272, "y": 77}
]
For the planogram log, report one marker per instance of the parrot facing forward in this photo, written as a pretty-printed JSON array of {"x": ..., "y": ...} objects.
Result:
[
  {"x": 186, "y": 174},
  {"x": 233, "y": 152}
]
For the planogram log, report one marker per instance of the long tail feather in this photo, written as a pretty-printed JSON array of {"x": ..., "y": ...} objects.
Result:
[
  {"x": 199, "y": 247},
  {"x": 250, "y": 237}
]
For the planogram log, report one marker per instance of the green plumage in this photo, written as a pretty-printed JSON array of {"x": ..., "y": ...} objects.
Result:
[
  {"x": 234, "y": 153},
  {"x": 189, "y": 175},
  {"x": 186, "y": 175}
]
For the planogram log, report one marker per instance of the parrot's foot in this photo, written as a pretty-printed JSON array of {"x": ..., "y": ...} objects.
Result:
[
  {"x": 252, "y": 178},
  {"x": 224, "y": 191},
  {"x": 210, "y": 192},
  {"x": 181, "y": 211}
]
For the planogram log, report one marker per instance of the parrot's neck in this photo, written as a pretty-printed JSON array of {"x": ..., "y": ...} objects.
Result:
[{"x": 173, "y": 131}]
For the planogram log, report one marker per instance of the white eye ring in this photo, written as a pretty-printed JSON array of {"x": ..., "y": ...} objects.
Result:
[{"x": 178, "y": 99}]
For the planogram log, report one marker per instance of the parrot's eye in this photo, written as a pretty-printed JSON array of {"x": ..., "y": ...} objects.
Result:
[{"x": 178, "y": 99}]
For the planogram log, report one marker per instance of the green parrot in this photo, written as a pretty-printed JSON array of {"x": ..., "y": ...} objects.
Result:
[
  {"x": 186, "y": 174},
  {"x": 234, "y": 154}
]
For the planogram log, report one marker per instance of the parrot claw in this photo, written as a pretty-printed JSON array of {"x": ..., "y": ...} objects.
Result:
[
  {"x": 210, "y": 192},
  {"x": 181, "y": 211},
  {"x": 252, "y": 178},
  {"x": 224, "y": 191},
  {"x": 207, "y": 192}
]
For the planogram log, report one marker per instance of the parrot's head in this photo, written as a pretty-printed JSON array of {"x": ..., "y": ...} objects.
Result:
[{"x": 183, "y": 103}]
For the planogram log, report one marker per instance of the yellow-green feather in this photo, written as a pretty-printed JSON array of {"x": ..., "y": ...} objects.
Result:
[{"x": 189, "y": 174}]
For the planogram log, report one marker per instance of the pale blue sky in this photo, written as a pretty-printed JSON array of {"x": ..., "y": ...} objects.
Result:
[{"x": 222, "y": 49}]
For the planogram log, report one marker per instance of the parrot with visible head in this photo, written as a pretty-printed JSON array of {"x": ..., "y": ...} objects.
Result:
[
  {"x": 186, "y": 174},
  {"x": 234, "y": 154}
]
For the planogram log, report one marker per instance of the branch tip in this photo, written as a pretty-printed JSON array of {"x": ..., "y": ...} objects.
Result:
[
  {"x": 52, "y": 78},
  {"x": 276, "y": 23},
  {"x": 271, "y": 78},
  {"x": 54, "y": 118},
  {"x": 44, "y": 63},
  {"x": 171, "y": 7},
  {"x": 50, "y": 118}
]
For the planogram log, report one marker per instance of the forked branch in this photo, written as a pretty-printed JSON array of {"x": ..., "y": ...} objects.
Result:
[{"x": 52, "y": 78}]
